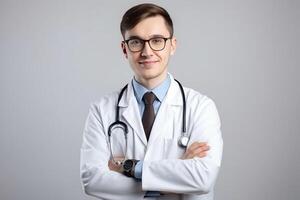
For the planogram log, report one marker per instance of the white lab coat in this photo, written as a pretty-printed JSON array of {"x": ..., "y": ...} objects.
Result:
[{"x": 163, "y": 170}]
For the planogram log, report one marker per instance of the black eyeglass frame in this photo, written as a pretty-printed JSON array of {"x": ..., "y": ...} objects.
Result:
[{"x": 148, "y": 41}]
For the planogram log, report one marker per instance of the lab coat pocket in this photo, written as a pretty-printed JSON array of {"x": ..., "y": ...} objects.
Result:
[{"x": 172, "y": 150}]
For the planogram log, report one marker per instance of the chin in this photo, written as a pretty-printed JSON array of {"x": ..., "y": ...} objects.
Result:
[{"x": 149, "y": 74}]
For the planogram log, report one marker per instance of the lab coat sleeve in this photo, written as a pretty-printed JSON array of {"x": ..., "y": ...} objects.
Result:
[
  {"x": 97, "y": 180},
  {"x": 191, "y": 176}
]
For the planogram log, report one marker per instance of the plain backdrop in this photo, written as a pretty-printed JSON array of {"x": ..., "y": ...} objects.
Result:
[{"x": 58, "y": 56}]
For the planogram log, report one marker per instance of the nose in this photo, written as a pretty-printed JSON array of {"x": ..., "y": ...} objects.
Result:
[{"x": 146, "y": 51}]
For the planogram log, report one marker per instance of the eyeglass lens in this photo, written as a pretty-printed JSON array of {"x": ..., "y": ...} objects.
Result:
[{"x": 155, "y": 44}]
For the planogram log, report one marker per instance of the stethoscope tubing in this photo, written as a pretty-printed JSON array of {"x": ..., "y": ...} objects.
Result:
[
  {"x": 183, "y": 102},
  {"x": 125, "y": 127}
]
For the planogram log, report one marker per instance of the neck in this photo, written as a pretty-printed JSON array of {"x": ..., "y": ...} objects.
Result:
[{"x": 151, "y": 82}]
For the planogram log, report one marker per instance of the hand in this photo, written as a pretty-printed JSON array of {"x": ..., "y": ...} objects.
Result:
[
  {"x": 197, "y": 149},
  {"x": 115, "y": 166}
]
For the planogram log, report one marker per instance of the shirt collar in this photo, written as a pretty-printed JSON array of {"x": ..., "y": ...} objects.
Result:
[{"x": 160, "y": 91}]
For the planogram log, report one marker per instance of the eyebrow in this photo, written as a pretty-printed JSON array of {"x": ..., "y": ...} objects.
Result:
[{"x": 151, "y": 36}]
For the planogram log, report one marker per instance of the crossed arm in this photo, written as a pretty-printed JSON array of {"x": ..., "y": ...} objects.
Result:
[
  {"x": 198, "y": 166},
  {"x": 197, "y": 149}
]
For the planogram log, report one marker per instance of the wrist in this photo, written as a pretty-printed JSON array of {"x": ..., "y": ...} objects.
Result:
[{"x": 128, "y": 167}]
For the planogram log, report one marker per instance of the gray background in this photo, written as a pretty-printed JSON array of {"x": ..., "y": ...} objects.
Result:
[{"x": 57, "y": 56}]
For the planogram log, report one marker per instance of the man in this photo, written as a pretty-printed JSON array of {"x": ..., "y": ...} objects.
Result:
[{"x": 151, "y": 111}]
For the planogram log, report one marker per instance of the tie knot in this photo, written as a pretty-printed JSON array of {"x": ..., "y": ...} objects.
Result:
[{"x": 149, "y": 98}]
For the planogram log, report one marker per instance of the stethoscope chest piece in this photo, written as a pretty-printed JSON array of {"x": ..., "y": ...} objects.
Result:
[{"x": 183, "y": 141}]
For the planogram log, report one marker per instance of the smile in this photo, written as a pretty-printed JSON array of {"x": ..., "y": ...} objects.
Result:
[{"x": 147, "y": 62}]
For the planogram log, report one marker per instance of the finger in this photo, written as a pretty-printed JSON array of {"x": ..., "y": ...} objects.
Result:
[
  {"x": 201, "y": 155},
  {"x": 111, "y": 165},
  {"x": 196, "y": 145},
  {"x": 117, "y": 158},
  {"x": 194, "y": 149},
  {"x": 110, "y": 162},
  {"x": 202, "y": 143},
  {"x": 199, "y": 150},
  {"x": 205, "y": 148},
  {"x": 192, "y": 146}
]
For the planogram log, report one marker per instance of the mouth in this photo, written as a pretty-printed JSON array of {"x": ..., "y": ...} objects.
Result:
[{"x": 147, "y": 62}]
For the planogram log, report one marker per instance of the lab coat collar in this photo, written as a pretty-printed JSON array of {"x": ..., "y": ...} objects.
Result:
[
  {"x": 130, "y": 113},
  {"x": 173, "y": 96}
]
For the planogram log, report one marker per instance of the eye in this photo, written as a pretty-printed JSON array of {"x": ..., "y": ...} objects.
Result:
[
  {"x": 135, "y": 42},
  {"x": 157, "y": 40}
]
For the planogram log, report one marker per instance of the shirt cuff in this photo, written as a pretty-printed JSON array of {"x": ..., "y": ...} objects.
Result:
[{"x": 138, "y": 170}]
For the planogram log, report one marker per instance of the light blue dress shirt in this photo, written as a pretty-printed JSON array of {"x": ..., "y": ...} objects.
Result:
[{"x": 160, "y": 92}]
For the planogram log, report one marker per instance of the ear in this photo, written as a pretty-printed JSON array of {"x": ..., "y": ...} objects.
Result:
[
  {"x": 173, "y": 45},
  {"x": 123, "y": 46}
]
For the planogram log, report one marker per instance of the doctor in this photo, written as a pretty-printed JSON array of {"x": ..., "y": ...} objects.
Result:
[{"x": 144, "y": 155}]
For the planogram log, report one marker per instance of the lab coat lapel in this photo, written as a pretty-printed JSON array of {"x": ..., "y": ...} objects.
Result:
[
  {"x": 164, "y": 117},
  {"x": 131, "y": 114}
]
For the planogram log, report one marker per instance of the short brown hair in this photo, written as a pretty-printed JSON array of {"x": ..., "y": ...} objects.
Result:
[{"x": 142, "y": 11}]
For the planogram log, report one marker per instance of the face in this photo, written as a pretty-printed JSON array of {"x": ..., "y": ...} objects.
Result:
[{"x": 150, "y": 66}]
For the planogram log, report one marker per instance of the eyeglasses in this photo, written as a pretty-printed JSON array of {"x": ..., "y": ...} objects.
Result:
[{"x": 137, "y": 44}]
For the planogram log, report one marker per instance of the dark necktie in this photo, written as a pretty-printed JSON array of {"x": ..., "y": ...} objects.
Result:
[{"x": 148, "y": 115}]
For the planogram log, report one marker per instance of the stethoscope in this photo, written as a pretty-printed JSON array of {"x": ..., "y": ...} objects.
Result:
[{"x": 182, "y": 141}]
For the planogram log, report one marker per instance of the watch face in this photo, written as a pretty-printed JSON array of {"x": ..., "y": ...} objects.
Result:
[{"x": 128, "y": 164}]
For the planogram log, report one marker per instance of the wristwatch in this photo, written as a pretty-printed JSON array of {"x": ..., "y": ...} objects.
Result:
[{"x": 128, "y": 167}]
